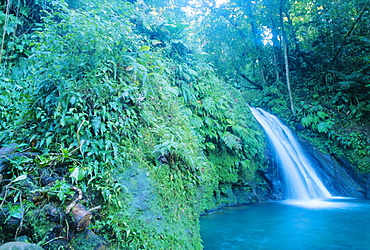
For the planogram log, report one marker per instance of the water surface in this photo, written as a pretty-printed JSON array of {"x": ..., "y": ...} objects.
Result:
[{"x": 319, "y": 224}]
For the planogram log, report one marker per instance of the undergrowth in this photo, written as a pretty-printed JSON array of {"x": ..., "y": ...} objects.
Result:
[{"x": 105, "y": 108}]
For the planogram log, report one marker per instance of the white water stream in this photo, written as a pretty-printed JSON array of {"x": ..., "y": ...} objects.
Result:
[{"x": 300, "y": 179}]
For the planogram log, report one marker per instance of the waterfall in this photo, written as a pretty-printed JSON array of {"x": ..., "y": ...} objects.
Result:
[{"x": 300, "y": 179}]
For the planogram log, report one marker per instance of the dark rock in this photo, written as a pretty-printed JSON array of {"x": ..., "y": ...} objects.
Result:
[
  {"x": 87, "y": 240},
  {"x": 7, "y": 152},
  {"x": 46, "y": 180},
  {"x": 8, "y": 223},
  {"x": 7, "y": 149},
  {"x": 4, "y": 153},
  {"x": 271, "y": 175},
  {"x": 53, "y": 213},
  {"x": 57, "y": 243},
  {"x": 300, "y": 127},
  {"x": 338, "y": 174},
  {"x": 271, "y": 178}
]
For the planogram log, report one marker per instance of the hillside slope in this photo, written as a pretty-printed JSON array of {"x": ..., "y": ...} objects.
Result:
[{"x": 99, "y": 117}]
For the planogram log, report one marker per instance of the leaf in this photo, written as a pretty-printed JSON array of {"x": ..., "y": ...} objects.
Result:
[
  {"x": 96, "y": 123},
  {"x": 322, "y": 114},
  {"x": 230, "y": 121},
  {"x": 176, "y": 28},
  {"x": 155, "y": 42},
  {"x": 19, "y": 178},
  {"x": 306, "y": 121},
  {"x": 144, "y": 48},
  {"x": 232, "y": 141},
  {"x": 15, "y": 211},
  {"x": 65, "y": 152},
  {"x": 325, "y": 126},
  {"x": 75, "y": 174},
  {"x": 130, "y": 67},
  {"x": 210, "y": 146}
]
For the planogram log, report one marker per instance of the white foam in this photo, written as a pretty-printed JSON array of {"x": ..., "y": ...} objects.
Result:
[{"x": 322, "y": 203}]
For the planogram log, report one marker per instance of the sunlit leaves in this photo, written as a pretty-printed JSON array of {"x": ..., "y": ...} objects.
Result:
[{"x": 144, "y": 48}]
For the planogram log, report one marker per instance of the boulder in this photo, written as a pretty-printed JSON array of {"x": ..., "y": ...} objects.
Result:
[
  {"x": 87, "y": 240},
  {"x": 17, "y": 245}
]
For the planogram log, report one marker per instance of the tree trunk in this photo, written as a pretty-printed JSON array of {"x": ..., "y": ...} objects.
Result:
[
  {"x": 288, "y": 77},
  {"x": 260, "y": 63},
  {"x": 275, "y": 49},
  {"x": 286, "y": 59},
  {"x": 4, "y": 30}
]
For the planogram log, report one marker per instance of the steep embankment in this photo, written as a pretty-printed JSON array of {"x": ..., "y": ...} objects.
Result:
[{"x": 110, "y": 116}]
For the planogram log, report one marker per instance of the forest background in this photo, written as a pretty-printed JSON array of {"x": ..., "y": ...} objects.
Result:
[{"x": 142, "y": 107}]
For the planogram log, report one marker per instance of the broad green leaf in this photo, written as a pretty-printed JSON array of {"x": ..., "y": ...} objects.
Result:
[
  {"x": 16, "y": 212},
  {"x": 75, "y": 173},
  {"x": 144, "y": 48},
  {"x": 322, "y": 114},
  {"x": 65, "y": 152}
]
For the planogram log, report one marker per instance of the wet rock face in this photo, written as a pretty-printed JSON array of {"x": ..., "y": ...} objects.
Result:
[
  {"x": 271, "y": 176},
  {"x": 337, "y": 174}
]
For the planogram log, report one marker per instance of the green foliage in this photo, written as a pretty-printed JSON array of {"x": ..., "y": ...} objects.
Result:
[
  {"x": 316, "y": 118},
  {"x": 274, "y": 98},
  {"x": 342, "y": 139},
  {"x": 11, "y": 107},
  {"x": 101, "y": 96},
  {"x": 328, "y": 58},
  {"x": 117, "y": 96},
  {"x": 221, "y": 120}
]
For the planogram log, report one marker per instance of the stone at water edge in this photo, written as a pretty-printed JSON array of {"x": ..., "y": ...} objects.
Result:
[
  {"x": 17, "y": 245},
  {"x": 87, "y": 240}
]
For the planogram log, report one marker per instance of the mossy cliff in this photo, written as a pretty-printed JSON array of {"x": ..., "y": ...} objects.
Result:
[{"x": 104, "y": 107}]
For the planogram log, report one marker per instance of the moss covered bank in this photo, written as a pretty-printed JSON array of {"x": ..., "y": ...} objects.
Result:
[{"x": 97, "y": 111}]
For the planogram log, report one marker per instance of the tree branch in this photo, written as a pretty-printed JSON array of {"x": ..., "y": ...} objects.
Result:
[
  {"x": 348, "y": 34},
  {"x": 256, "y": 85}
]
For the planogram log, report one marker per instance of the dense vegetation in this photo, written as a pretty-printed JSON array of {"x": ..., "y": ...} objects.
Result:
[
  {"x": 307, "y": 61},
  {"x": 142, "y": 107},
  {"x": 114, "y": 105}
]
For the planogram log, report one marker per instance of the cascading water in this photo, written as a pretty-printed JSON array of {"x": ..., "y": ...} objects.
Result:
[{"x": 301, "y": 180}]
